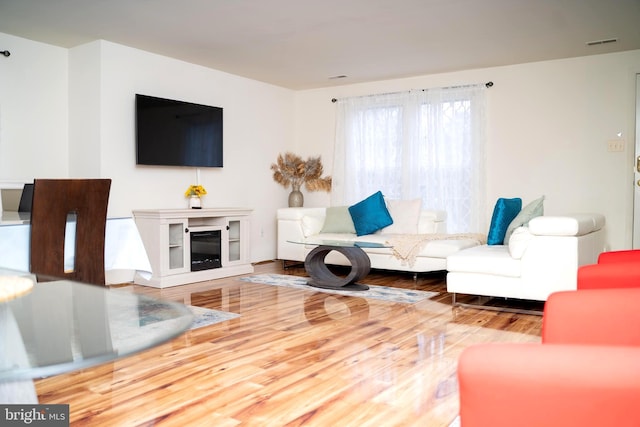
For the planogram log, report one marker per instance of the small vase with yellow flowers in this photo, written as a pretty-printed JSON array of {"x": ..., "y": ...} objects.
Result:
[{"x": 194, "y": 193}]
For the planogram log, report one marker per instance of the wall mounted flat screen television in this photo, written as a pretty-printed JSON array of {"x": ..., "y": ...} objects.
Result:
[{"x": 177, "y": 133}]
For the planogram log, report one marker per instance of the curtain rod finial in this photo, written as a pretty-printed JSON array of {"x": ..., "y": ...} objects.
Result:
[
  {"x": 5, "y": 53},
  {"x": 489, "y": 84}
]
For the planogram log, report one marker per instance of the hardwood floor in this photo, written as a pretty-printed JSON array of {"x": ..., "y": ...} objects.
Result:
[{"x": 293, "y": 357}]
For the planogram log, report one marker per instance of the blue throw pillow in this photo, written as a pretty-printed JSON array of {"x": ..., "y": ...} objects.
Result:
[
  {"x": 504, "y": 212},
  {"x": 370, "y": 215}
]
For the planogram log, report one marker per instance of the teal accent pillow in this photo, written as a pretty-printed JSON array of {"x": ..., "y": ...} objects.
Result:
[
  {"x": 370, "y": 214},
  {"x": 504, "y": 212},
  {"x": 338, "y": 220},
  {"x": 532, "y": 210}
]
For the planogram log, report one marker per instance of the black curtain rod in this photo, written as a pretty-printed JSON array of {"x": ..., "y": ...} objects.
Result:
[
  {"x": 5, "y": 53},
  {"x": 487, "y": 85}
]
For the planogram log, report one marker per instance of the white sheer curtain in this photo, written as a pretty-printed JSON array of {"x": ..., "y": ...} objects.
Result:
[{"x": 426, "y": 144}]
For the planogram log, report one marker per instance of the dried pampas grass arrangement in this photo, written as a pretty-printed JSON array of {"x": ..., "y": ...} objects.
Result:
[{"x": 291, "y": 170}]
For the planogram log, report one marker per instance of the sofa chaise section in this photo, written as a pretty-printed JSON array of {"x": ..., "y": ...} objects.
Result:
[{"x": 538, "y": 260}]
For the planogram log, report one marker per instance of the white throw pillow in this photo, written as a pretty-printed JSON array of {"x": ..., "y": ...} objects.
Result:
[
  {"x": 405, "y": 215},
  {"x": 532, "y": 210},
  {"x": 338, "y": 220},
  {"x": 311, "y": 225},
  {"x": 519, "y": 242}
]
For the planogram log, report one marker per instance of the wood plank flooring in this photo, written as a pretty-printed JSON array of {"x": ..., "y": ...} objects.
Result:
[{"x": 293, "y": 358}]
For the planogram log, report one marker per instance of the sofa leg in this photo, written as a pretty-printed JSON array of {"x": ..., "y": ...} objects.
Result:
[{"x": 482, "y": 301}]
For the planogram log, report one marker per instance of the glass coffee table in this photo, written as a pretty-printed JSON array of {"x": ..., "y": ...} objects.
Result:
[{"x": 322, "y": 277}]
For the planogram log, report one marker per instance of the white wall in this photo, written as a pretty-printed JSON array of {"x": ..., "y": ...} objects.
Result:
[
  {"x": 85, "y": 108},
  {"x": 34, "y": 130},
  {"x": 257, "y": 125},
  {"x": 548, "y": 127}
]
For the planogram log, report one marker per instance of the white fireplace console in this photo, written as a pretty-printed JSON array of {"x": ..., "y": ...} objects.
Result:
[{"x": 194, "y": 245}]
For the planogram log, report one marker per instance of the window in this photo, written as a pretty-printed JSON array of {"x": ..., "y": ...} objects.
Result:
[{"x": 420, "y": 144}]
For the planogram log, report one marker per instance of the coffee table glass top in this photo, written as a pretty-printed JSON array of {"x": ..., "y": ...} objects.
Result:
[
  {"x": 60, "y": 326},
  {"x": 341, "y": 243}
]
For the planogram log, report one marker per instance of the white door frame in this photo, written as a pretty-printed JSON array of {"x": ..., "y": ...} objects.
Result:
[{"x": 636, "y": 172}]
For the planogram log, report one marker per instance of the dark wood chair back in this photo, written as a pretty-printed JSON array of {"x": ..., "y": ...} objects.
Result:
[
  {"x": 54, "y": 200},
  {"x": 26, "y": 198}
]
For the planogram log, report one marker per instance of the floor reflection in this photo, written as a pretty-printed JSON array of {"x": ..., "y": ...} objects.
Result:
[{"x": 321, "y": 307}]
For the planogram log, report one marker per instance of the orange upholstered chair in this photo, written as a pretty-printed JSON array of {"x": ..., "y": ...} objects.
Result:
[
  {"x": 615, "y": 269},
  {"x": 586, "y": 371}
]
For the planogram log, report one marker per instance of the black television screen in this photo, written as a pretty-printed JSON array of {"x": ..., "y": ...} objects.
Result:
[{"x": 177, "y": 133}]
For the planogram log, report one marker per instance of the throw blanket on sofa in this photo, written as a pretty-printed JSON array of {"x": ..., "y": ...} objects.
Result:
[{"x": 406, "y": 247}]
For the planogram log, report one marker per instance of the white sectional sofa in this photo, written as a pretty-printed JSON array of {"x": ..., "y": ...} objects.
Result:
[
  {"x": 538, "y": 260},
  {"x": 305, "y": 224}
]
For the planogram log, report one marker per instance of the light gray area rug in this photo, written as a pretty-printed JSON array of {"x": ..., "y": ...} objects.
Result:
[
  {"x": 206, "y": 316},
  {"x": 384, "y": 293}
]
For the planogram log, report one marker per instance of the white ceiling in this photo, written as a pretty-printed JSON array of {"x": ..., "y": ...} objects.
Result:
[{"x": 300, "y": 44}]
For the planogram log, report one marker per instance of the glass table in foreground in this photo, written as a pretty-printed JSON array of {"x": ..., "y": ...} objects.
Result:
[
  {"x": 61, "y": 326},
  {"x": 320, "y": 274}
]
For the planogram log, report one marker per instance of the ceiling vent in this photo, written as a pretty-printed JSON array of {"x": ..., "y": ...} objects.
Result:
[{"x": 605, "y": 41}]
